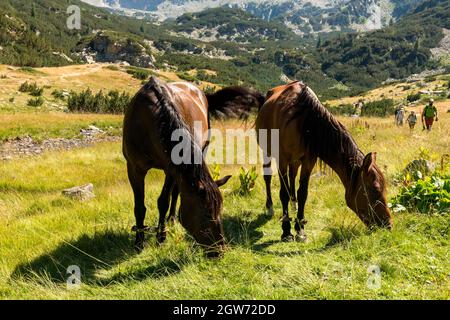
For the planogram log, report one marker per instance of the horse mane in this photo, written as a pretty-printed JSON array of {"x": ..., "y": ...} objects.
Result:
[
  {"x": 234, "y": 102},
  {"x": 168, "y": 120},
  {"x": 324, "y": 136}
]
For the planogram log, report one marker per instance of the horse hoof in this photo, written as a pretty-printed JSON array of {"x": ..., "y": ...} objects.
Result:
[
  {"x": 288, "y": 238},
  {"x": 301, "y": 238},
  {"x": 161, "y": 237}
]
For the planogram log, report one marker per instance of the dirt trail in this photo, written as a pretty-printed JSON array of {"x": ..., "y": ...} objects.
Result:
[{"x": 26, "y": 147}]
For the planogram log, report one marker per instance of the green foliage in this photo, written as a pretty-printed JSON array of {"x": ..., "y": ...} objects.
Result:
[
  {"x": 343, "y": 109},
  {"x": 37, "y": 102},
  {"x": 58, "y": 94},
  {"x": 412, "y": 97},
  {"x": 248, "y": 180},
  {"x": 186, "y": 76},
  {"x": 215, "y": 172},
  {"x": 139, "y": 73},
  {"x": 87, "y": 102},
  {"x": 427, "y": 195},
  {"x": 378, "y": 108},
  {"x": 31, "y": 88}
]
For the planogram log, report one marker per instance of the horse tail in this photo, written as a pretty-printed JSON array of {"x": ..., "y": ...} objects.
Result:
[{"x": 234, "y": 102}]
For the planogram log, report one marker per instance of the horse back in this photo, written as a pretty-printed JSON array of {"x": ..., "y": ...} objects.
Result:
[
  {"x": 277, "y": 113},
  {"x": 192, "y": 104}
]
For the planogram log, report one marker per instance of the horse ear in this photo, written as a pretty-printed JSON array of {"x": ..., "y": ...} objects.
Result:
[
  {"x": 223, "y": 181},
  {"x": 369, "y": 160}
]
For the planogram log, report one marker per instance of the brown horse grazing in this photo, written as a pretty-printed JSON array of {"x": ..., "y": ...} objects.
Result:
[
  {"x": 156, "y": 111},
  {"x": 308, "y": 131}
]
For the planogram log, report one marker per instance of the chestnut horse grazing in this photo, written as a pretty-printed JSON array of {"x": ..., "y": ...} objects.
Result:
[
  {"x": 158, "y": 110},
  {"x": 308, "y": 132}
]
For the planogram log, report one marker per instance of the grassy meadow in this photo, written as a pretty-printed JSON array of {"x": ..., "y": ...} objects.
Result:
[{"x": 42, "y": 232}]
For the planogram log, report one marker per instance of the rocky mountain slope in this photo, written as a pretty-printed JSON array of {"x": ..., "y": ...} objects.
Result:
[{"x": 302, "y": 16}]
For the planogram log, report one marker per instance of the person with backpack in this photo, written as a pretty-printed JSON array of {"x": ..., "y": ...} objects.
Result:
[
  {"x": 412, "y": 120},
  {"x": 429, "y": 114}
]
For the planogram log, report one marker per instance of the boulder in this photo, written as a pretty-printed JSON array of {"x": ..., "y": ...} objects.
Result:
[
  {"x": 424, "y": 166},
  {"x": 82, "y": 193}
]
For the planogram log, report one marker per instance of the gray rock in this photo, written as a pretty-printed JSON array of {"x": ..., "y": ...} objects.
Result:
[
  {"x": 421, "y": 165},
  {"x": 82, "y": 193}
]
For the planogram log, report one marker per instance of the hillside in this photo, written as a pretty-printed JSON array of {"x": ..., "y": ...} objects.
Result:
[
  {"x": 34, "y": 33},
  {"x": 364, "y": 61},
  {"x": 238, "y": 47},
  {"x": 230, "y": 25},
  {"x": 302, "y": 16}
]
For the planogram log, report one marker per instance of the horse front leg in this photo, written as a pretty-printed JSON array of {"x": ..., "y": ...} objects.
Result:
[
  {"x": 163, "y": 206},
  {"x": 173, "y": 204},
  {"x": 302, "y": 195},
  {"x": 284, "y": 197},
  {"x": 137, "y": 179},
  {"x": 293, "y": 170}
]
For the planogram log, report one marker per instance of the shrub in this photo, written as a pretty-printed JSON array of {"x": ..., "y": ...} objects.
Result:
[
  {"x": 379, "y": 108},
  {"x": 215, "y": 172},
  {"x": 58, "y": 94},
  {"x": 32, "y": 88},
  {"x": 39, "y": 101},
  {"x": 86, "y": 101},
  {"x": 139, "y": 73},
  {"x": 342, "y": 109},
  {"x": 412, "y": 97},
  {"x": 427, "y": 195},
  {"x": 186, "y": 76},
  {"x": 248, "y": 180}
]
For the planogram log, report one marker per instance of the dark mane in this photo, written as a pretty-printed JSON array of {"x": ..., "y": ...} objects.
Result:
[
  {"x": 234, "y": 102},
  {"x": 324, "y": 136},
  {"x": 169, "y": 120}
]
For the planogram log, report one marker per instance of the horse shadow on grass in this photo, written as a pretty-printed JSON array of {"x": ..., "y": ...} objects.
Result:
[
  {"x": 90, "y": 253},
  {"x": 248, "y": 234},
  {"x": 241, "y": 231}
]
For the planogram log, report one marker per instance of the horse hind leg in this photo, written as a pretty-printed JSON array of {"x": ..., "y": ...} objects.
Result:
[
  {"x": 267, "y": 168},
  {"x": 302, "y": 195},
  {"x": 137, "y": 181},
  {"x": 284, "y": 197}
]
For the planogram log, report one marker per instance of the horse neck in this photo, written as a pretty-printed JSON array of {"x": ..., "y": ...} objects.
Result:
[{"x": 345, "y": 164}]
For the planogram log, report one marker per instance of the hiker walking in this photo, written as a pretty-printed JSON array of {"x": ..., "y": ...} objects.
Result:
[
  {"x": 399, "y": 115},
  {"x": 429, "y": 115},
  {"x": 412, "y": 120}
]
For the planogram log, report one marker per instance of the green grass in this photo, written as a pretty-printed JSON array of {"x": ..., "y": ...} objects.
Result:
[
  {"x": 45, "y": 125},
  {"x": 42, "y": 233}
]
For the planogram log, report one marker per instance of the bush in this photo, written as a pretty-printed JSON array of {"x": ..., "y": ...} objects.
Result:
[
  {"x": 215, "y": 172},
  {"x": 379, "y": 108},
  {"x": 58, "y": 94},
  {"x": 186, "y": 76},
  {"x": 86, "y": 101},
  {"x": 32, "y": 88},
  {"x": 39, "y": 101},
  {"x": 139, "y": 73},
  {"x": 412, "y": 97},
  {"x": 248, "y": 180},
  {"x": 342, "y": 109},
  {"x": 427, "y": 195}
]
